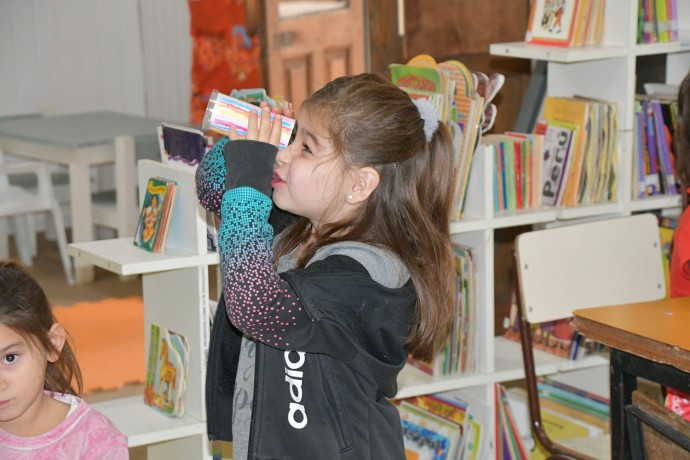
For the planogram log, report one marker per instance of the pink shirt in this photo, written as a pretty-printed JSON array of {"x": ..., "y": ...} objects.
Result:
[
  {"x": 680, "y": 272},
  {"x": 85, "y": 434}
]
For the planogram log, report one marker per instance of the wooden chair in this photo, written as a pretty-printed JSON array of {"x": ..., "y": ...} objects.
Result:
[{"x": 592, "y": 264}]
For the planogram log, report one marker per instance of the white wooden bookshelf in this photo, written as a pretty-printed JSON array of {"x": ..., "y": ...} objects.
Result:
[
  {"x": 606, "y": 72},
  {"x": 175, "y": 291}
]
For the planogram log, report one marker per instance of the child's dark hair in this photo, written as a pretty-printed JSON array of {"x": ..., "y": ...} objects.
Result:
[
  {"x": 25, "y": 309},
  {"x": 682, "y": 139},
  {"x": 373, "y": 123}
]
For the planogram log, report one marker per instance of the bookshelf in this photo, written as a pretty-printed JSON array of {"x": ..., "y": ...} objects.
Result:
[
  {"x": 186, "y": 310},
  {"x": 606, "y": 72}
]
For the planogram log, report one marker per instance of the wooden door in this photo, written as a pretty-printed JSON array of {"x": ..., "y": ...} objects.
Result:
[{"x": 309, "y": 43}]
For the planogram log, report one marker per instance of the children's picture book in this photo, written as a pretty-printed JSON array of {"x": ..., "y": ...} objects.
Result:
[
  {"x": 552, "y": 22},
  {"x": 427, "y": 435},
  {"x": 182, "y": 146},
  {"x": 167, "y": 371},
  {"x": 156, "y": 213}
]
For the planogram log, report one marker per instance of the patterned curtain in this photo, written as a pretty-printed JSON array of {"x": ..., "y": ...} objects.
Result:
[{"x": 224, "y": 55}]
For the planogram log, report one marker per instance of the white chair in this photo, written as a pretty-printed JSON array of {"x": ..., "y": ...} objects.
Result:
[
  {"x": 593, "y": 264},
  {"x": 16, "y": 203}
]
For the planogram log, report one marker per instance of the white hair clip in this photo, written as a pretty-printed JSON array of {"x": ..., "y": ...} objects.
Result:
[{"x": 428, "y": 113}]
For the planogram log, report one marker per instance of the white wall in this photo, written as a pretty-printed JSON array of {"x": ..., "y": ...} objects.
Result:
[{"x": 67, "y": 56}]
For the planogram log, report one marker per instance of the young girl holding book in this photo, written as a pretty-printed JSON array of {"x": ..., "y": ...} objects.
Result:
[
  {"x": 316, "y": 325},
  {"x": 40, "y": 415}
]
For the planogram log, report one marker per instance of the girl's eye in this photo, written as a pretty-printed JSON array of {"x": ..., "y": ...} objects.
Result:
[
  {"x": 10, "y": 358},
  {"x": 306, "y": 148}
]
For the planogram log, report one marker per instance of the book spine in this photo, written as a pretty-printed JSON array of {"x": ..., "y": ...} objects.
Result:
[
  {"x": 649, "y": 35},
  {"x": 494, "y": 169},
  {"x": 639, "y": 152},
  {"x": 504, "y": 192},
  {"x": 653, "y": 177},
  {"x": 661, "y": 20},
  {"x": 518, "y": 174},
  {"x": 672, "y": 12},
  {"x": 572, "y": 399},
  {"x": 664, "y": 147},
  {"x": 576, "y": 390}
]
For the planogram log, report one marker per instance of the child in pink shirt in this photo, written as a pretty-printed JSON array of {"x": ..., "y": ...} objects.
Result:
[
  {"x": 40, "y": 415},
  {"x": 680, "y": 256}
]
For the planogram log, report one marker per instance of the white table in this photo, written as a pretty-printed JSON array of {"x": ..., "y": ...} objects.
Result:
[{"x": 81, "y": 141}]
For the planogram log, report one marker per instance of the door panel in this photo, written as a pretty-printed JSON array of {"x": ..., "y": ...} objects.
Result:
[{"x": 310, "y": 43}]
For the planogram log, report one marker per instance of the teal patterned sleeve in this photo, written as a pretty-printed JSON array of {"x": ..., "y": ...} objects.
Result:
[
  {"x": 258, "y": 300},
  {"x": 210, "y": 178}
]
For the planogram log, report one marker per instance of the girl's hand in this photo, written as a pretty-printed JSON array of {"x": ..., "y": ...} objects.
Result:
[{"x": 269, "y": 131}]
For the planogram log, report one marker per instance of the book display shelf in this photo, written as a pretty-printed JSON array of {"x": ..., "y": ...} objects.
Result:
[
  {"x": 175, "y": 291},
  {"x": 606, "y": 72}
]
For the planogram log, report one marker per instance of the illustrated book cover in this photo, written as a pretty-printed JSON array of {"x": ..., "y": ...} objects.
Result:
[
  {"x": 167, "y": 371},
  {"x": 552, "y": 22},
  {"x": 182, "y": 146},
  {"x": 156, "y": 213},
  {"x": 428, "y": 436}
]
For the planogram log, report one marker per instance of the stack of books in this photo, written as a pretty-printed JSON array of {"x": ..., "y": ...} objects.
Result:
[
  {"x": 517, "y": 170},
  {"x": 657, "y": 21},
  {"x": 444, "y": 426},
  {"x": 458, "y": 354},
  {"x": 555, "y": 337},
  {"x": 580, "y": 159},
  {"x": 566, "y": 22},
  {"x": 567, "y": 412},
  {"x": 654, "y": 161},
  {"x": 156, "y": 214},
  {"x": 462, "y": 99}
]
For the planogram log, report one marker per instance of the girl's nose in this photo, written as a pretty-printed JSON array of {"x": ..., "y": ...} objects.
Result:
[{"x": 284, "y": 155}]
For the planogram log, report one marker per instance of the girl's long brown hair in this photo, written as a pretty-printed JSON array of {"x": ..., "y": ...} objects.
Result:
[
  {"x": 373, "y": 123},
  {"x": 25, "y": 309}
]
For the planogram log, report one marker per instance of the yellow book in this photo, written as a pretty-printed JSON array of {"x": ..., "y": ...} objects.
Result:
[{"x": 576, "y": 113}]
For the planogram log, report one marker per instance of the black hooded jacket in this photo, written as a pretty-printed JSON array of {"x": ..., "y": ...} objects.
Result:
[{"x": 330, "y": 338}]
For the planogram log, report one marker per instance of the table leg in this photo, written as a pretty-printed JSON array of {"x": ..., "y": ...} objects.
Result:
[
  {"x": 622, "y": 386},
  {"x": 126, "y": 186},
  {"x": 82, "y": 220}
]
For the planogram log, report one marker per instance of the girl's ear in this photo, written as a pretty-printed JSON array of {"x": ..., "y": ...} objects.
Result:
[
  {"x": 366, "y": 181},
  {"x": 57, "y": 335}
]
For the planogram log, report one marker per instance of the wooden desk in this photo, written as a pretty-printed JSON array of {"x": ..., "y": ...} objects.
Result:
[
  {"x": 81, "y": 141},
  {"x": 649, "y": 340}
]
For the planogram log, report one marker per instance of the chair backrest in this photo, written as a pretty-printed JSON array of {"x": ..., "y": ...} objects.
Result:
[{"x": 593, "y": 264}]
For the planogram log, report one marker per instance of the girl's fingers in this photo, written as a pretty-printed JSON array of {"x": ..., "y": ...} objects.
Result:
[
  {"x": 232, "y": 133},
  {"x": 253, "y": 126},
  {"x": 265, "y": 128},
  {"x": 276, "y": 129}
]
